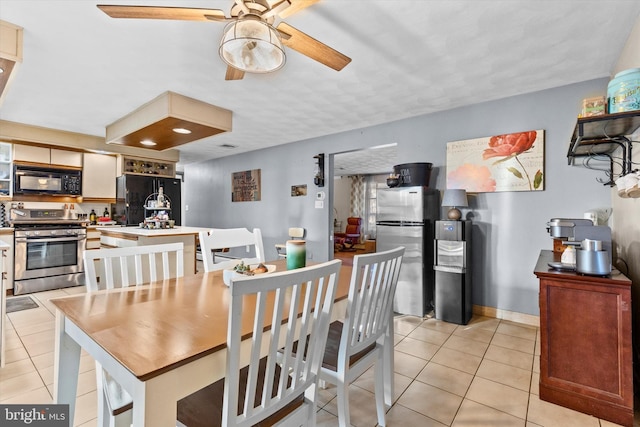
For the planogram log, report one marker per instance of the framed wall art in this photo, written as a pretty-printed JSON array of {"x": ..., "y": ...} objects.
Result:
[
  {"x": 245, "y": 186},
  {"x": 509, "y": 162}
]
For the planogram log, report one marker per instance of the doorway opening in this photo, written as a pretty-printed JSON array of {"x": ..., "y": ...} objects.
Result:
[{"x": 356, "y": 176}]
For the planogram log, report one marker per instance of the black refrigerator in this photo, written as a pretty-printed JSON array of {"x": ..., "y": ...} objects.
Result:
[
  {"x": 405, "y": 217},
  {"x": 133, "y": 190}
]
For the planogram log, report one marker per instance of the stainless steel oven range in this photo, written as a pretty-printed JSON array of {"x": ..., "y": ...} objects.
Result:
[{"x": 49, "y": 244}]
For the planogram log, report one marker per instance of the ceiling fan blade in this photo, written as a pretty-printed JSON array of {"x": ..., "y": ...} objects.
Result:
[
  {"x": 296, "y": 6},
  {"x": 158, "y": 12},
  {"x": 307, "y": 45},
  {"x": 233, "y": 73}
]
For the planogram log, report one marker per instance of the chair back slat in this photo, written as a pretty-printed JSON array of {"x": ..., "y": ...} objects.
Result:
[
  {"x": 123, "y": 267},
  {"x": 222, "y": 238},
  {"x": 298, "y": 303},
  {"x": 373, "y": 284}
]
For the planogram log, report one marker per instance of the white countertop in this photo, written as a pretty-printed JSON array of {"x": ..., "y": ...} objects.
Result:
[{"x": 145, "y": 232}]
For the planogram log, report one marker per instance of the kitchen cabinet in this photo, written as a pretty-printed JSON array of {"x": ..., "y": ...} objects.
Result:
[
  {"x": 121, "y": 237},
  {"x": 585, "y": 331},
  {"x": 5, "y": 169},
  {"x": 99, "y": 176},
  {"x": 47, "y": 156},
  {"x": 4, "y": 248},
  {"x": 6, "y": 237},
  {"x": 597, "y": 137},
  {"x": 93, "y": 237},
  {"x": 66, "y": 158}
]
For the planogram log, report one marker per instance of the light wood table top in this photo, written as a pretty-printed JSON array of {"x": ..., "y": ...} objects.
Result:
[{"x": 160, "y": 342}]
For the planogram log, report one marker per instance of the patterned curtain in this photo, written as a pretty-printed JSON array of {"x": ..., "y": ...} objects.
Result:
[{"x": 357, "y": 196}]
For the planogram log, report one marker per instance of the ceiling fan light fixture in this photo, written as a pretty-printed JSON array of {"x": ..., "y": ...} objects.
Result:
[{"x": 252, "y": 45}]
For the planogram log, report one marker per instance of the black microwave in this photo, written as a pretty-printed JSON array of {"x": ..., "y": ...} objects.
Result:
[{"x": 46, "y": 181}]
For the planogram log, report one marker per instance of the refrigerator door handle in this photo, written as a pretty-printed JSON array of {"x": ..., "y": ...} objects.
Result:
[{"x": 458, "y": 270}]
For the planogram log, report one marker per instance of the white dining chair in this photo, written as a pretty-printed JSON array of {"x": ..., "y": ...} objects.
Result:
[
  {"x": 120, "y": 268},
  {"x": 364, "y": 339},
  {"x": 261, "y": 388},
  {"x": 219, "y": 238},
  {"x": 295, "y": 233}
]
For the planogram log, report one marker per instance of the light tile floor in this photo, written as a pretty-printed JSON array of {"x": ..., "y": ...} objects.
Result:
[{"x": 483, "y": 374}]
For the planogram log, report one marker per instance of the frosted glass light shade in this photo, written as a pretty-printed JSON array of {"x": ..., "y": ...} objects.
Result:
[{"x": 252, "y": 45}]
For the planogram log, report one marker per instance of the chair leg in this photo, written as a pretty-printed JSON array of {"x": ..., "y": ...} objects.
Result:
[
  {"x": 124, "y": 419},
  {"x": 344, "y": 420},
  {"x": 388, "y": 363},
  {"x": 380, "y": 388},
  {"x": 104, "y": 414}
]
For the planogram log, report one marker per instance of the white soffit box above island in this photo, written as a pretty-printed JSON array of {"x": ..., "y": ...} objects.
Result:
[{"x": 168, "y": 121}]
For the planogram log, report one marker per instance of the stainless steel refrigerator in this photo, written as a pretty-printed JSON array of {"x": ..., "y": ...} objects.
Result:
[
  {"x": 132, "y": 191},
  {"x": 406, "y": 217}
]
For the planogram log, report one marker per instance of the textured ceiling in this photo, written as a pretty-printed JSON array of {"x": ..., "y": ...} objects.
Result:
[
  {"x": 83, "y": 70},
  {"x": 378, "y": 160}
]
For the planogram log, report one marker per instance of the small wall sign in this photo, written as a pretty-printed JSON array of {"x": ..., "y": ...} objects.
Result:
[{"x": 245, "y": 186}]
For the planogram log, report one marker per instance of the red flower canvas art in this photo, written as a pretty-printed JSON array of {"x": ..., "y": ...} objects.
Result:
[{"x": 508, "y": 162}]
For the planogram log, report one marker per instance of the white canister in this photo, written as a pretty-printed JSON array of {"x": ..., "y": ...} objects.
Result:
[{"x": 623, "y": 91}]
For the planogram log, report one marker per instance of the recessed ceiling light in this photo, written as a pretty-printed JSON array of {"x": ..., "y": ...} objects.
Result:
[
  {"x": 148, "y": 143},
  {"x": 1, "y": 70},
  {"x": 182, "y": 131}
]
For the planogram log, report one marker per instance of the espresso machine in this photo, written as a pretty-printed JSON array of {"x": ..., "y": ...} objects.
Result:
[{"x": 592, "y": 244}]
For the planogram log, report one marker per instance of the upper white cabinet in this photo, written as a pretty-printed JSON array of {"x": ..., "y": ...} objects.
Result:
[
  {"x": 31, "y": 153},
  {"x": 5, "y": 169},
  {"x": 66, "y": 158},
  {"x": 47, "y": 156},
  {"x": 99, "y": 176}
]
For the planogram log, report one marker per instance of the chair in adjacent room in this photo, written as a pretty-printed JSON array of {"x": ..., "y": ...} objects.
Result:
[
  {"x": 364, "y": 338},
  {"x": 295, "y": 233},
  {"x": 351, "y": 236},
  {"x": 270, "y": 389},
  {"x": 218, "y": 238},
  {"x": 119, "y": 268}
]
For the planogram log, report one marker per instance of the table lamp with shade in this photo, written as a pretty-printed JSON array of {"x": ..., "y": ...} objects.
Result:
[{"x": 454, "y": 198}]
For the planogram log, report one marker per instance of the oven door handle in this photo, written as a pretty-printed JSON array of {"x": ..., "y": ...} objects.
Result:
[{"x": 50, "y": 239}]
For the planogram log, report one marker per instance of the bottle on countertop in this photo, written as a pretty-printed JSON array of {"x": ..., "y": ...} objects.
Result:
[
  {"x": 106, "y": 213},
  {"x": 93, "y": 217},
  {"x": 160, "y": 203}
]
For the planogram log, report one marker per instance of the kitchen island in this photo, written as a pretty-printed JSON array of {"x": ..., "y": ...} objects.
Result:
[
  {"x": 121, "y": 237},
  {"x": 585, "y": 336}
]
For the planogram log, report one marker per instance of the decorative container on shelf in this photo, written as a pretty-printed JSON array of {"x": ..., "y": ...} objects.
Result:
[{"x": 623, "y": 92}]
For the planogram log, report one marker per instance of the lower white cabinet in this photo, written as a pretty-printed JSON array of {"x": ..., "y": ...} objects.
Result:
[{"x": 6, "y": 236}]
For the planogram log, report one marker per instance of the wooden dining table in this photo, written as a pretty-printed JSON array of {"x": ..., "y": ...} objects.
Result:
[{"x": 161, "y": 341}]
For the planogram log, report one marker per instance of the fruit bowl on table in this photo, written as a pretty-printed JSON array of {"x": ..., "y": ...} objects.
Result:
[{"x": 231, "y": 273}]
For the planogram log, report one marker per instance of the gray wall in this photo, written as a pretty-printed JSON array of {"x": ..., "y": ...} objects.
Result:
[{"x": 509, "y": 227}]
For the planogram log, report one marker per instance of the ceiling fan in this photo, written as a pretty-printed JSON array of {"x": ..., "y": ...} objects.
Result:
[{"x": 251, "y": 43}]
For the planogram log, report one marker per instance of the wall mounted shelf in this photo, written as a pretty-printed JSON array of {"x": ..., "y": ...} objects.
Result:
[{"x": 602, "y": 135}]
